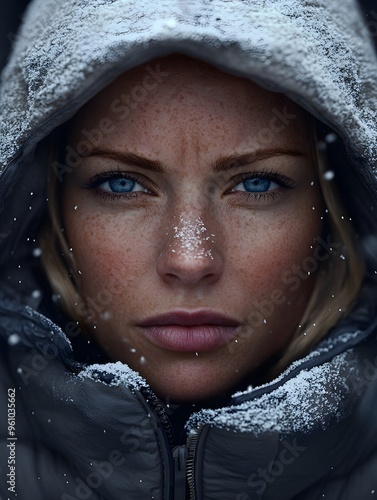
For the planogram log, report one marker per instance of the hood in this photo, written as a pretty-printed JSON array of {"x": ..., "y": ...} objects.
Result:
[
  {"x": 318, "y": 53},
  {"x": 67, "y": 50}
]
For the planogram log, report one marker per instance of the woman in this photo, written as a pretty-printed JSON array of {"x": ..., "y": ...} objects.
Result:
[{"x": 187, "y": 262}]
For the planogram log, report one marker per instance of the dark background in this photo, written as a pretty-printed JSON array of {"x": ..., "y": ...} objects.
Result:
[{"x": 11, "y": 14}]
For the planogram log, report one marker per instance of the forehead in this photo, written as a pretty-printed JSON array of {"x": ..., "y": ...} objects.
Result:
[{"x": 188, "y": 100}]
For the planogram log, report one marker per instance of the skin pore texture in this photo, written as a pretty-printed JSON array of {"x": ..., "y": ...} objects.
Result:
[{"x": 200, "y": 196}]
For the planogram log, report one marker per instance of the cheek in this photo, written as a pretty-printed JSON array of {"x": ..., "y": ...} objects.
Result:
[
  {"x": 110, "y": 253},
  {"x": 268, "y": 250}
]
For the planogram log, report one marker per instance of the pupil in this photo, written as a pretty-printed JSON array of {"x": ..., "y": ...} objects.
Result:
[
  {"x": 257, "y": 185},
  {"x": 121, "y": 185}
]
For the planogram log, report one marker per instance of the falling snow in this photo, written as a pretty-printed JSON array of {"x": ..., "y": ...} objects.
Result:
[
  {"x": 329, "y": 175},
  {"x": 330, "y": 138},
  {"x": 37, "y": 252},
  {"x": 14, "y": 339}
]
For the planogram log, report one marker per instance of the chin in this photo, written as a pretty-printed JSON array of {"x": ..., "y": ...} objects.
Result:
[{"x": 191, "y": 389}]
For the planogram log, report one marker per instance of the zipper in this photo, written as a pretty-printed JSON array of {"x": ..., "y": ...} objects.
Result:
[
  {"x": 183, "y": 455},
  {"x": 191, "y": 445},
  {"x": 151, "y": 398},
  {"x": 184, "y": 466}
]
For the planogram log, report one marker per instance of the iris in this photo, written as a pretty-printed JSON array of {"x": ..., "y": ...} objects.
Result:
[
  {"x": 257, "y": 185},
  {"x": 121, "y": 185}
]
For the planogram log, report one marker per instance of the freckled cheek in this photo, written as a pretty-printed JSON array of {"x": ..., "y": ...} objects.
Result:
[
  {"x": 107, "y": 249},
  {"x": 263, "y": 251}
]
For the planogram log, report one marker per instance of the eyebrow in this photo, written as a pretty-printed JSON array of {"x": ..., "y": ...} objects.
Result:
[
  {"x": 220, "y": 165},
  {"x": 228, "y": 162},
  {"x": 129, "y": 158}
]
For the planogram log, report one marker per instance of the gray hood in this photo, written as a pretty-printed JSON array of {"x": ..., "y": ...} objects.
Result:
[{"x": 67, "y": 50}]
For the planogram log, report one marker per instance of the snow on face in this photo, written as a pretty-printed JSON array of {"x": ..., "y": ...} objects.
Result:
[{"x": 191, "y": 234}]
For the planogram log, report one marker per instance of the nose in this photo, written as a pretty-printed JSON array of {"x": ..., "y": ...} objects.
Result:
[{"x": 190, "y": 254}]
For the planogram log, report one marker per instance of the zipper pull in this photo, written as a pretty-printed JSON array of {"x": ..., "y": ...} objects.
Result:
[{"x": 180, "y": 459}]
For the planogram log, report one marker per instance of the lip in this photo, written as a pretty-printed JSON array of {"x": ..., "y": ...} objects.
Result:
[{"x": 190, "y": 331}]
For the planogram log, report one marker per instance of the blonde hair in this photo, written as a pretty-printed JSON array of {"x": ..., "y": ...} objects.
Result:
[
  {"x": 337, "y": 282},
  {"x": 338, "y": 278}
]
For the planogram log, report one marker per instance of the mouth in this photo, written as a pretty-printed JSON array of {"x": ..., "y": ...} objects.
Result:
[{"x": 189, "y": 331}]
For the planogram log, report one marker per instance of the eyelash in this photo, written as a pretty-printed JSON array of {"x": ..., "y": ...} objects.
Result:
[
  {"x": 101, "y": 178},
  {"x": 283, "y": 181},
  {"x": 97, "y": 180}
]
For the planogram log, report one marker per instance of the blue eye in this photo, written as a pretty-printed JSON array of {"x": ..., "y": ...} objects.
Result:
[
  {"x": 121, "y": 185},
  {"x": 256, "y": 185}
]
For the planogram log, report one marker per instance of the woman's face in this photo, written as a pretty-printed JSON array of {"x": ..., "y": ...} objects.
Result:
[{"x": 190, "y": 216}]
